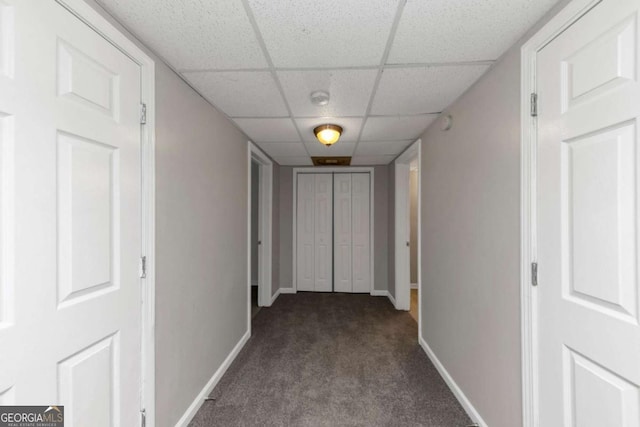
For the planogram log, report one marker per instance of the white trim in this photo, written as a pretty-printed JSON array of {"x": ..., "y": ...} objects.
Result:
[
  {"x": 528, "y": 253},
  {"x": 254, "y": 282},
  {"x": 208, "y": 388},
  {"x": 414, "y": 286},
  {"x": 102, "y": 26},
  {"x": 265, "y": 221},
  {"x": 275, "y": 297},
  {"x": 287, "y": 291},
  {"x": 344, "y": 169},
  {"x": 455, "y": 389},
  {"x": 392, "y": 299},
  {"x": 402, "y": 279}
]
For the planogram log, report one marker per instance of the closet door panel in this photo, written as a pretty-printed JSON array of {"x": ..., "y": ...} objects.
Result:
[
  {"x": 342, "y": 232},
  {"x": 360, "y": 235},
  {"x": 323, "y": 233},
  {"x": 305, "y": 239}
]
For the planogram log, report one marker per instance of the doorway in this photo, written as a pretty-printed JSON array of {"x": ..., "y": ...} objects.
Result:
[
  {"x": 407, "y": 230},
  {"x": 259, "y": 229}
]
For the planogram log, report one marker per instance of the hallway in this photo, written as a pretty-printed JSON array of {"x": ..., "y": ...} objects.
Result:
[{"x": 332, "y": 359}]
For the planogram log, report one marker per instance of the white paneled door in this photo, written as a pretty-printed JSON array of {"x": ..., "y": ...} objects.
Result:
[
  {"x": 333, "y": 232},
  {"x": 588, "y": 198},
  {"x": 361, "y": 232},
  {"x": 343, "y": 273},
  {"x": 323, "y": 232},
  {"x": 70, "y": 217}
]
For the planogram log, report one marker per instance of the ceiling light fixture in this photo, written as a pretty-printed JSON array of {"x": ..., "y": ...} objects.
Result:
[{"x": 328, "y": 134}]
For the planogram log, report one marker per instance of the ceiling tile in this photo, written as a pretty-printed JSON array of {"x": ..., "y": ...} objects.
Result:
[
  {"x": 294, "y": 161},
  {"x": 193, "y": 34},
  {"x": 371, "y": 160},
  {"x": 462, "y": 30},
  {"x": 350, "y": 126},
  {"x": 349, "y": 91},
  {"x": 423, "y": 90},
  {"x": 280, "y": 149},
  {"x": 269, "y": 130},
  {"x": 378, "y": 148},
  {"x": 396, "y": 128},
  {"x": 244, "y": 93},
  {"x": 339, "y": 149},
  {"x": 312, "y": 33}
]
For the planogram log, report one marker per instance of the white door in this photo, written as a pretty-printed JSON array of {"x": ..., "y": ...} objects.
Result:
[
  {"x": 342, "y": 232},
  {"x": 360, "y": 235},
  {"x": 305, "y": 232},
  {"x": 70, "y": 211},
  {"x": 588, "y": 195},
  {"x": 323, "y": 233}
]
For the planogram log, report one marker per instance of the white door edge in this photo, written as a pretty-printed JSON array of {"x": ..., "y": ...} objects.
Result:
[{"x": 528, "y": 295}]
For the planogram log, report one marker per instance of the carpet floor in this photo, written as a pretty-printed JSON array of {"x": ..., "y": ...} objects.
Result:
[{"x": 317, "y": 359}]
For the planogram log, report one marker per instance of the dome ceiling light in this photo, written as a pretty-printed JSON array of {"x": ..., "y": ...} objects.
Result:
[{"x": 328, "y": 134}]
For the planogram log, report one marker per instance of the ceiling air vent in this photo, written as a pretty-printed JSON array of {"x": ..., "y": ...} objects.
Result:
[{"x": 331, "y": 161}]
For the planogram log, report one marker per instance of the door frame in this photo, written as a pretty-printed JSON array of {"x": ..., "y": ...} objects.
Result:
[
  {"x": 265, "y": 228},
  {"x": 113, "y": 35},
  {"x": 528, "y": 202},
  {"x": 402, "y": 227},
  {"x": 324, "y": 169}
]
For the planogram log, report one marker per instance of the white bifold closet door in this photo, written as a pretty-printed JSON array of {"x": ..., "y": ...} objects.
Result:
[
  {"x": 343, "y": 272},
  {"x": 314, "y": 265},
  {"x": 352, "y": 232},
  {"x": 333, "y": 232}
]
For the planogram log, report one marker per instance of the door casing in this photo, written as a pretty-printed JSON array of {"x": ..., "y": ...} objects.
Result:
[
  {"x": 296, "y": 171},
  {"x": 265, "y": 227},
  {"x": 528, "y": 165}
]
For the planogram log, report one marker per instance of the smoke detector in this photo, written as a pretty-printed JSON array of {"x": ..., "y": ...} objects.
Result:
[{"x": 320, "y": 98}]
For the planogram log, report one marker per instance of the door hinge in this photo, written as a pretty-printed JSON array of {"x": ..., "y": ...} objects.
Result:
[
  {"x": 143, "y": 418},
  {"x": 143, "y": 267},
  {"x": 534, "y": 105},
  {"x": 143, "y": 114},
  {"x": 534, "y": 274}
]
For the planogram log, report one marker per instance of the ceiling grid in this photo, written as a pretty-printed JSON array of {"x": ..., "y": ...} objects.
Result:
[{"x": 390, "y": 66}]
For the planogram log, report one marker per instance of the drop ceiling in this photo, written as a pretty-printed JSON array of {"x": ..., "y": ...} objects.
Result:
[{"x": 390, "y": 66}]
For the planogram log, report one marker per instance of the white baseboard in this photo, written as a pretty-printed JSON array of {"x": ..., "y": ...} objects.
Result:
[
  {"x": 455, "y": 389},
  {"x": 414, "y": 286},
  {"x": 392, "y": 299},
  {"x": 287, "y": 291},
  {"x": 254, "y": 283},
  {"x": 208, "y": 388},
  {"x": 378, "y": 293},
  {"x": 275, "y": 296}
]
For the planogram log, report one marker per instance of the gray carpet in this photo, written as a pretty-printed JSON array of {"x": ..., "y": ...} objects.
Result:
[{"x": 319, "y": 359}]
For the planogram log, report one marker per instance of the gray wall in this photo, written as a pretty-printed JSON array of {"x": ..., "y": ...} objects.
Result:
[
  {"x": 286, "y": 227},
  {"x": 381, "y": 256},
  {"x": 391, "y": 230},
  {"x": 413, "y": 226},
  {"x": 201, "y": 240},
  {"x": 471, "y": 243},
  {"x": 255, "y": 219}
]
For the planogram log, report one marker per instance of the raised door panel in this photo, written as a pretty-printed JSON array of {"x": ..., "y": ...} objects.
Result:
[
  {"x": 361, "y": 229},
  {"x": 323, "y": 233},
  {"x": 588, "y": 222},
  {"x": 305, "y": 229},
  {"x": 342, "y": 232}
]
